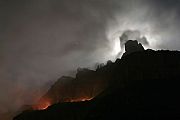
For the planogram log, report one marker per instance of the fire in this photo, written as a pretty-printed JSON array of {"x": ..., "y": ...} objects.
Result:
[
  {"x": 81, "y": 99},
  {"x": 42, "y": 106}
]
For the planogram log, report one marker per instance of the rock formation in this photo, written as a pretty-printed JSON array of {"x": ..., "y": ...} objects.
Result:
[
  {"x": 143, "y": 85},
  {"x": 132, "y": 46}
]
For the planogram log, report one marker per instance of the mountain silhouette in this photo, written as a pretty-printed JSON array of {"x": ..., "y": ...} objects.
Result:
[
  {"x": 143, "y": 84},
  {"x": 85, "y": 86}
]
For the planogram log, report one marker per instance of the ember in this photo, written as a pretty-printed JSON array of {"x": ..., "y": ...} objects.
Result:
[
  {"x": 81, "y": 99},
  {"x": 42, "y": 106}
]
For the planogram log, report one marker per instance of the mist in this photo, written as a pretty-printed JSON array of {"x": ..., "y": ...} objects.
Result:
[{"x": 41, "y": 40}]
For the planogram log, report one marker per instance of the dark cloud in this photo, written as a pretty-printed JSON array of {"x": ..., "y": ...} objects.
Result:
[{"x": 40, "y": 40}]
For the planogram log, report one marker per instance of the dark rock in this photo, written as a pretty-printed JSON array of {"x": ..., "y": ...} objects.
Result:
[
  {"x": 86, "y": 85},
  {"x": 143, "y": 85},
  {"x": 132, "y": 46}
]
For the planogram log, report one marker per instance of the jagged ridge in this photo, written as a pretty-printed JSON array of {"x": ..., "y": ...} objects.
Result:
[{"x": 142, "y": 85}]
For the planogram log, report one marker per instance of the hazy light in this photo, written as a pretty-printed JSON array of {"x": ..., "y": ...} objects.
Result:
[{"x": 116, "y": 46}]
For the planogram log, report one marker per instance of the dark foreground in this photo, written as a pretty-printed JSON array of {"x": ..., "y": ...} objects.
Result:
[{"x": 143, "y": 85}]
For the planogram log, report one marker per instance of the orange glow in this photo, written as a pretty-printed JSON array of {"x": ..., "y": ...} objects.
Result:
[
  {"x": 42, "y": 106},
  {"x": 81, "y": 99}
]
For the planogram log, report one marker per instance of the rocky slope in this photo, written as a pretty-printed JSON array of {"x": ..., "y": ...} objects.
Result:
[{"x": 143, "y": 84}]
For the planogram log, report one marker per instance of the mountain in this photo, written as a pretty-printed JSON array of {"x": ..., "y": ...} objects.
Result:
[
  {"x": 143, "y": 84},
  {"x": 85, "y": 86}
]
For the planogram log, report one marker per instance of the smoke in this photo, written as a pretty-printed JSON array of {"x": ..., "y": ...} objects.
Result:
[{"x": 41, "y": 40}]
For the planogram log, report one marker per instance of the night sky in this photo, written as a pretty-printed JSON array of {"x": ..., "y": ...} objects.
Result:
[{"x": 41, "y": 40}]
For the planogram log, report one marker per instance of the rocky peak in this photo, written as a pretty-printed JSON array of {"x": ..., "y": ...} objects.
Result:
[{"x": 132, "y": 46}]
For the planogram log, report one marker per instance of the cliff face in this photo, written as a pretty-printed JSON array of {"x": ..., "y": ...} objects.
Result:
[{"x": 141, "y": 85}]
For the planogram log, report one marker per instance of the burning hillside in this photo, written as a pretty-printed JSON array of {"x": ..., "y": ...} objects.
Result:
[
  {"x": 84, "y": 87},
  {"x": 142, "y": 85},
  {"x": 44, "y": 104}
]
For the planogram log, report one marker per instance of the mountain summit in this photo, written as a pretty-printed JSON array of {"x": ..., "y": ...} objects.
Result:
[
  {"x": 132, "y": 46},
  {"x": 144, "y": 84}
]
